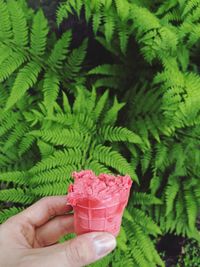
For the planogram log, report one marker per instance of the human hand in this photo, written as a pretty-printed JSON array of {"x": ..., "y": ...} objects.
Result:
[{"x": 30, "y": 238}]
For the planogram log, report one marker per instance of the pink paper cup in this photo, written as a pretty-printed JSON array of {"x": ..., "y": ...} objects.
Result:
[
  {"x": 98, "y": 201},
  {"x": 92, "y": 215}
]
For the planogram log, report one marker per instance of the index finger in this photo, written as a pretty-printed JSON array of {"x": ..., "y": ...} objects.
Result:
[{"x": 40, "y": 212}]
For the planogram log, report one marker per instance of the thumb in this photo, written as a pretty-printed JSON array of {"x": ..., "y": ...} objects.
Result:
[{"x": 80, "y": 251}]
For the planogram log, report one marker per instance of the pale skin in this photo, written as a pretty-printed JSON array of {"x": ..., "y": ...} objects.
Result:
[{"x": 31, "y": 238}]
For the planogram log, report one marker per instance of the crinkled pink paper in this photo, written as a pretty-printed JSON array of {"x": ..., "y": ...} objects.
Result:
[{"x": 88, "y": 185}]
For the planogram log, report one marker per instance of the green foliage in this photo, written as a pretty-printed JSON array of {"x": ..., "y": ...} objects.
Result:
[
  {"x": 191, "y": 254},
  {"x": 26, "y": 57},
  {"x": 71, "y": 138},
  {"x": 136, "y": 114},
  {"x": 162, "y": 99},
  {"x": 7, "y": 213},
  {"x": 111, "y": 17}
]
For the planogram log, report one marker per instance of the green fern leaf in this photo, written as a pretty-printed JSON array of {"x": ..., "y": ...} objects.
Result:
[
  {"x": 51, "y": 90},
  {"x": 171, "y": 192},
  {"x": 145, "y": 199},
  {"x": 25, "y": 143},
  {"x": 109, "y": 25},
  {"x": 146, "y": 222},
  {"x": 7, "y": 213},
  {"x": 191, "y": 207},
  {"x": 39, "y": 34},
  {"x": 63, "y": 12},
  {"x": 119, "y": 134},
  {"x": 55, "y": 189},
  {"x": 107, "y": 69},
  {"x": 15, "y": 136},
  {"x": 9, "y": 122},
  {"x": 16, "y": 196},
  {"x": 19, "y": 25},
  {"x": 96, "y": 22},
  {"x": 5, "y": 25},
  {"x": 66, "y": 138},
  {"x": 26, "y": 78},
  {"x": 112, "y": 113},
  {"x": 113, "y": 159},
  {"x": 5, "y": 52},
  {"x": 101, "y": 105},
  {"x": 122, "y": 9},
  {"x": 96, "y": 167},
  {"x": 17, "y": 177},
  {"x": 75, "y": 60},
  {"x": 123, "y": 37},
  {"x": 66, "y": 105},
  {"x": 60, "y": 174},
  {"x": 10, "y": 64},
  {"x": 59, "y": 158},
  {"x": 60, "y": 50},
  {"x": 191, "y": 4}
]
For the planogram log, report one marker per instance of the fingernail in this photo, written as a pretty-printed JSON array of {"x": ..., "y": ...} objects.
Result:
[{"x": 104, "y": 243}]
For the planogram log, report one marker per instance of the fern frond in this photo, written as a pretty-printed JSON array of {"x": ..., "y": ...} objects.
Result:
[
  {"x": 113, "y": 159},
  {"x": 7, "y": 213},
  {"x": 171, "y": 192},
  {"x": 123, "y": 9},
  {"x": 39, "y": 34},
  {"x": 134, "y": 233},
  {"x": 96, "y": 21},
  {"x": 66, "y": 138},
  {"x": 45, "y": 149},
  {"x": 19, "y": 24},
  {"x": 161, "y": 157},
  {"x": 66, "y": 105},
  {"x": 59, "y": 158},
  {"x": 146, "y": 160},
  {"x": 96, "y": 167},
  {"x": 111, "y": 115},
  {"x": 63, "y": 12},
  {"x": 107, "y": 69},
  {"x": 103, "y": 262},
  {"x": 145, "y": 199},
  {"x": 9, "y": 122},
  {"x": 59, "y": 174},
  {"x": 5, "y": 25},
  {"x": 5, "y": 51},
  {"x": 109, "y": 25},
  {"x": 16, "y": 135},
  {"x": 16, "y": 196},
  {"x": 123, "y": 37},
  {"x": 25, "y": 143},
  {"x": 51, "y": 90},
  {"x": 26, "y": 78},
  {"x": 60, "y": 50},
  {"x": 54, "y": 189},
  {"x": 191, "y": 4},
  {"x": 16, "y": 177},
  {"x": 146, "y": 222},
  {"x": 191, "y": 207},
  {"x": 10, "y": 64},
  {"x": 75, "y": 60},
  {"x": 119, "y": 134},
  {"x": 100, "y": 105}
]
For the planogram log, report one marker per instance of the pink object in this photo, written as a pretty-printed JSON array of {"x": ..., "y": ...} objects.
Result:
[{"x": 98, "y": 202}]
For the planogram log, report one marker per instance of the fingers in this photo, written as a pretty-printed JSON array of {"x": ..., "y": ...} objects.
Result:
[
  {"x": 44, "y": 209},
  {"x": 78, "y": 252},
  {"x": 53, "y": 230}
]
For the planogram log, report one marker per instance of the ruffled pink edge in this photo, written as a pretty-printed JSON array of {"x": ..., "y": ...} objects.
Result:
[{"x": 105, "y": 186}]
